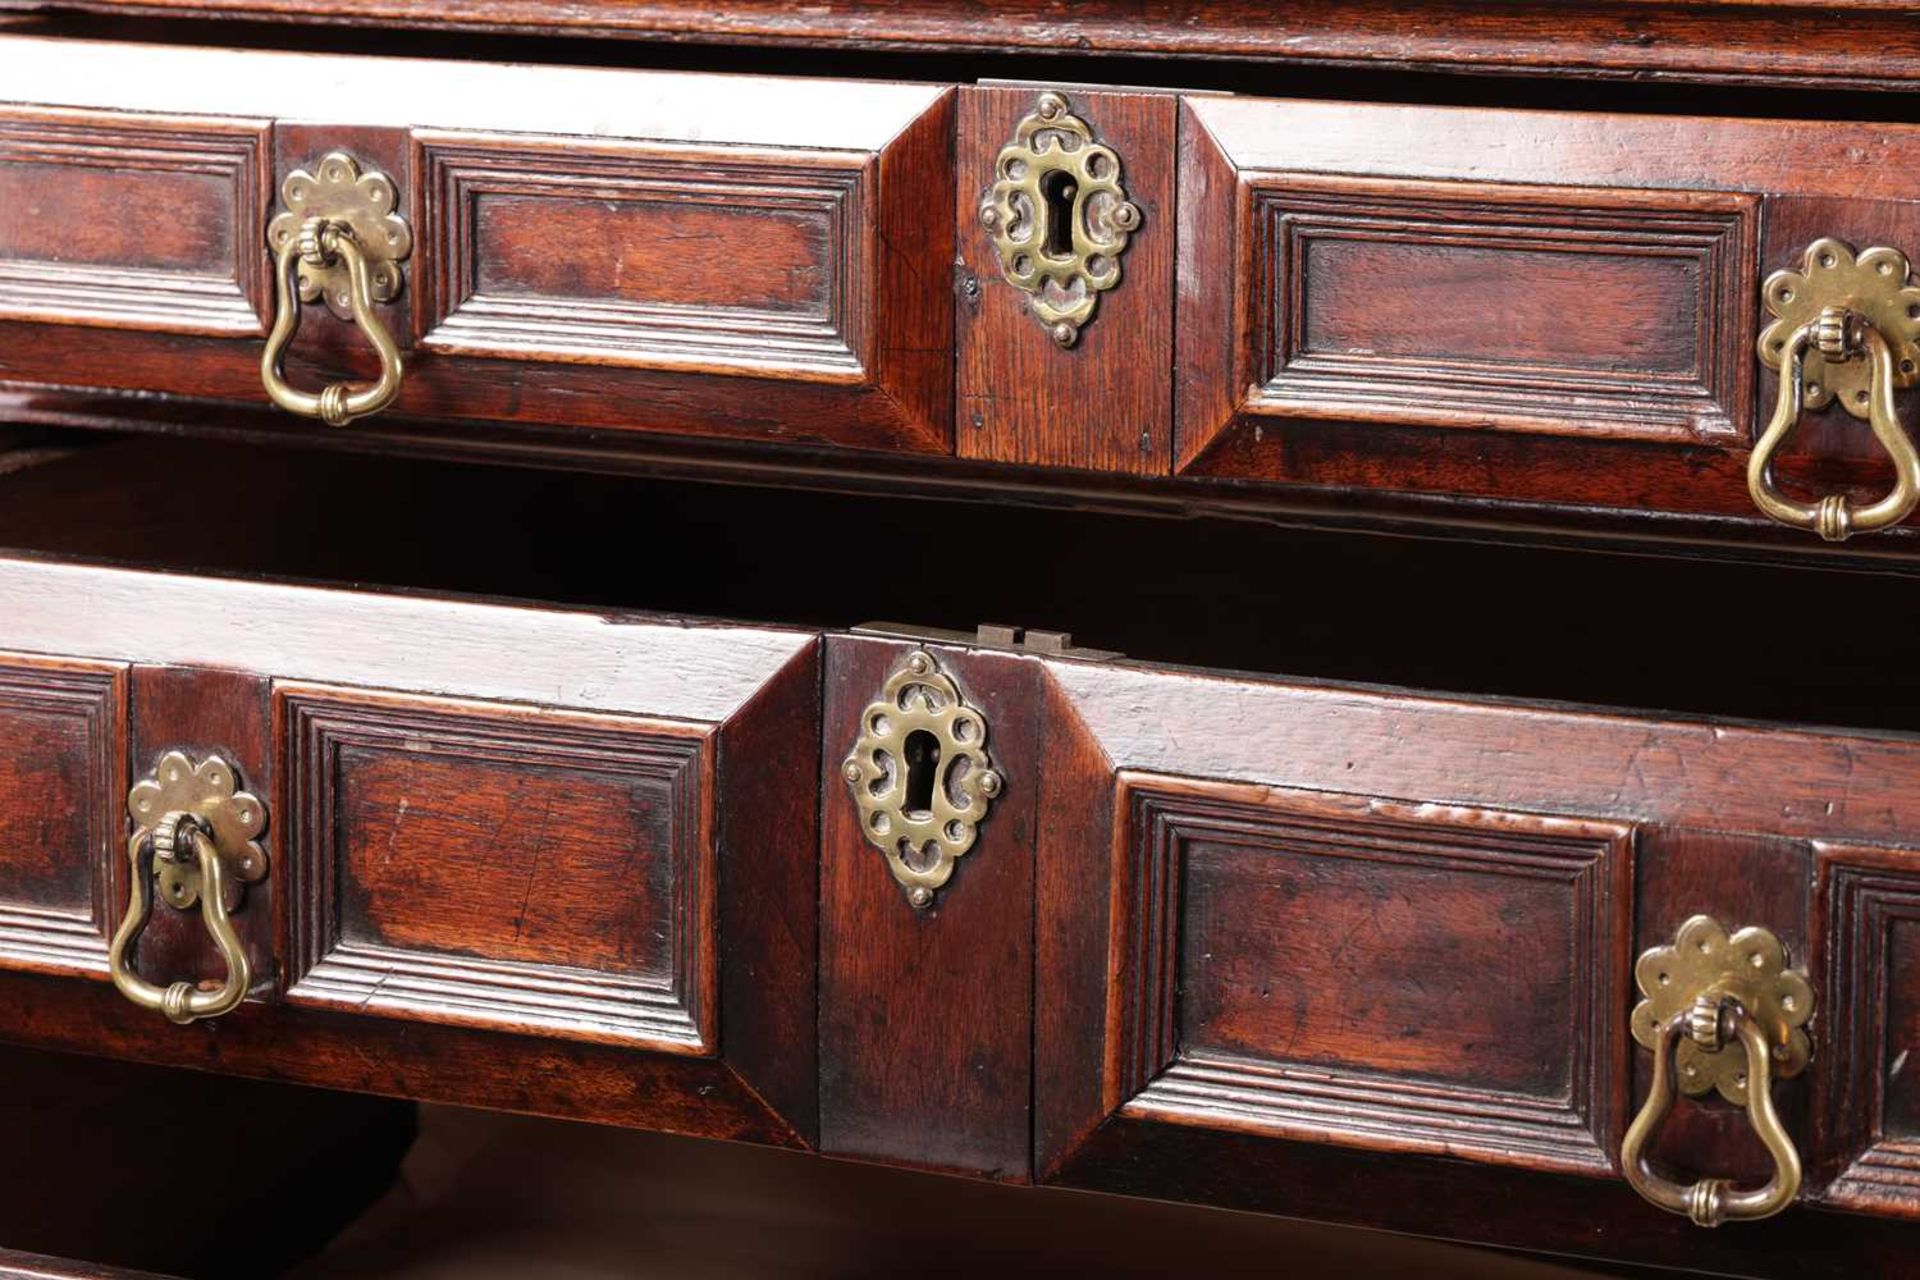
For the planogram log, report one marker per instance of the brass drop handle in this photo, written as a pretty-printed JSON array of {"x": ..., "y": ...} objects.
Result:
[
  {"x": 1720, "y": 1013},
  {"x": 1838, "y": 335},
  {"x": 195, "y": 838},
  {"x": 1845, "y": 329},
  {"x": 337, "y": 241},
  {"x": 322, "y": 244},
  {"x": 1712, "y": 1201}
]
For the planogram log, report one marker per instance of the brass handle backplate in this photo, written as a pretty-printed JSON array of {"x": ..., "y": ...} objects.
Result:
[
  {"x": 921, "y": 776},
  {"x": 1059, "y": 217},
  {"x": 1845, "y": 330},
  {"x": 200, "y": 833},
  {"x": 1721, "y": 1013},
  {"x": 337, "y": 241}
]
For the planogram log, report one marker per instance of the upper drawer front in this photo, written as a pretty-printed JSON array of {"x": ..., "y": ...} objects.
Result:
[
  {"x": 1548, "y": 307},
  {"x": 551, "y": 836},
  {"x": 1346, "y": 919},
  {"x": 705, "y": 255}
]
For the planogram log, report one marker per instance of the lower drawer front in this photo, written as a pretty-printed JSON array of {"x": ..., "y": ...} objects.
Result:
[
  {"x": 1289, "y": 929},
  {"x": 497, "y": 840},
  {"x": 1235, "y": 940}
]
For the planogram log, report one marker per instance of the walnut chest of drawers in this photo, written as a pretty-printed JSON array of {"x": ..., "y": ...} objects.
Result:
[{"x": 845, "y": 577}]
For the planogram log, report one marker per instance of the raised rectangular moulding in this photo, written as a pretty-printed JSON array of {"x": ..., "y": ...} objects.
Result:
[
  {"x": 1533, "y": 306},
  {"x": 134, "y": 222},
  {"x": 748, "y": 257},
  {"x": 1326, "y": 953},
  {"x": 1559, "y": 310},
  {"x": 491, "y": 866}
]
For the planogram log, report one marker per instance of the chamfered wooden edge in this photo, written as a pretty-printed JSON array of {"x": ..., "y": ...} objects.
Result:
[
  {"x": 597, "y": 1084},
  {"x": 1767, "y": 42}
]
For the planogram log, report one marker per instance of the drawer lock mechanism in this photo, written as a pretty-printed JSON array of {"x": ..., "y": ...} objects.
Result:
[
  {"x": 196, "y": 836},
  {"x": 1845, "y": 330},
  {"x": 339, "y": 240},
  {"x": 1059, "y": 217},
  {"x": 1721, "y": 1013},
  {"x": 921, "y": 776}
]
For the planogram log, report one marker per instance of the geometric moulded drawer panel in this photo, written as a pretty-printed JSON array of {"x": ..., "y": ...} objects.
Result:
[
  {"x": 476, "y": 864},
  {"x": 1410, "y": 977}
]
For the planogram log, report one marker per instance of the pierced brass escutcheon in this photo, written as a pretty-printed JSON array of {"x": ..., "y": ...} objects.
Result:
[
  {"x": 340, "y": 241},
  {"x": 1059, "y": 217},
  {"x": 921, "y": 776},
  {"x": 1720, "y": 1013},
  {"x": 201, "y": 834},
  {"x": 1845, "y": 329}
]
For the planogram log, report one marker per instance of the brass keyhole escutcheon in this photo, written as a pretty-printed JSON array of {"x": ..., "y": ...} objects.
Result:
[
  {"x": 1059, "y": 217},
  {"x": 920, "y": 775}
]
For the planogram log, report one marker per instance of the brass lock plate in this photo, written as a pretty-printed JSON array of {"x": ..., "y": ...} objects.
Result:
[
  {"x": 209, "y": 793},
  {"x": 921, "y": 776},
  {"x": 1875, "y": 285},
  {"x": 337, "y": 190},
  {"x": 1749, "y": 966},
  {"x": 1059, "y": 217}
]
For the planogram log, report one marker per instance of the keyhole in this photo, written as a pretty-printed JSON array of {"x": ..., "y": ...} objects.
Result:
[
  {"x": 922, "y": 752},
  {"x": 1059, "y": 190}
]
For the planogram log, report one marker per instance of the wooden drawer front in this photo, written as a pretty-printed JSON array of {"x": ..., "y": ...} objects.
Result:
[
  {"x": 707, "y": 255},
  {"x": 497, "y": 867},
  {"x": 1283, "y": 929},
  {"x": 556, "y": 861},
  {"x": 1573, "y": 297},
  {"x": 63, "y": 748}
]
